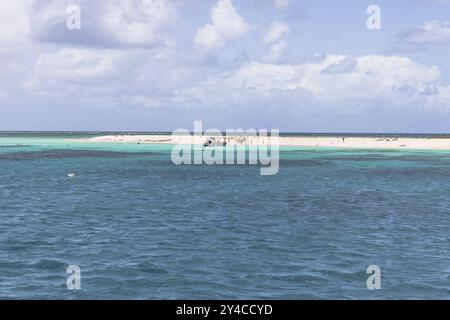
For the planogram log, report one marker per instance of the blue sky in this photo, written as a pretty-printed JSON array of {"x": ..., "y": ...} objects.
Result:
[{"x": 149, "y": 65}]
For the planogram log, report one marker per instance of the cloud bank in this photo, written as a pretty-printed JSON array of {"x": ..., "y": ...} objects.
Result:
[{"x": 142, "y": 54}]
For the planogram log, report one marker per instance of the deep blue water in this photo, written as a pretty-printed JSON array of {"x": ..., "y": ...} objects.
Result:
[{"x": 140, "y": 227}]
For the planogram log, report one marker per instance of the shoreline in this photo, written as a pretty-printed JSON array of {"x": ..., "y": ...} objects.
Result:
[{"x": 381, "y": 142}]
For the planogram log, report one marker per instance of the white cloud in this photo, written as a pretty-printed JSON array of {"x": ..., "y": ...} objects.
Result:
[
  {"x": 74, "y": 72},
  {"x": 281, "y": 4},
  {"x": 137, "y": 23},
  {"x": 226, "y": 24},
  {"x": 264, "y": 76},
  {"x": 375, "y": 81},
  {"x": 276, "y": 31},
  {"x": 275, "y": 51},
  {"x": 153, "y": 79},
  {"x": 344, "y": 65},
  {"x": 431, "y": 32},
  {"x": 108, "y": 76},
  {"x": 14, "y": 22},
  {"x": 71, "y": 64},
  {"x": 104, "y": 23},
  {"x": 161, "y": 75}
]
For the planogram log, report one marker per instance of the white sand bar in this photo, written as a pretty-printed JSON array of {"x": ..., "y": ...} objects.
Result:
[{"x": 300, "y": 141}]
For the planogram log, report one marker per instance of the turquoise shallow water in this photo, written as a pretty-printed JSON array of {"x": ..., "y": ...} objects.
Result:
[{"x": 140, "y": 227}]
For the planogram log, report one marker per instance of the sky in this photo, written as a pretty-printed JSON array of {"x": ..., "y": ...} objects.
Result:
[{"x": 158, "y": 65}]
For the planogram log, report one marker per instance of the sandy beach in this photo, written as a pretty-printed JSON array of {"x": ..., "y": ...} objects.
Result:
[{"x": 300, "y": 141}]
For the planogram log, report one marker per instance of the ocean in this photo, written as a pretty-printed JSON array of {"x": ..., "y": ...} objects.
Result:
[{"x": 140, "y": 227}]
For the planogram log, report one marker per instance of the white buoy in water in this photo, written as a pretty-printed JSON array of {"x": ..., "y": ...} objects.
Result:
[{"x": 71, "y": 175}]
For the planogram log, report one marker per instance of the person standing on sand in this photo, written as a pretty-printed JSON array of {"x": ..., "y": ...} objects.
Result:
[{"x": 343, "y": 139}]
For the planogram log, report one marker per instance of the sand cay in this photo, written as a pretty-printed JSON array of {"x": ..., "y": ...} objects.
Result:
[{"x": 299, "y": 141}]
